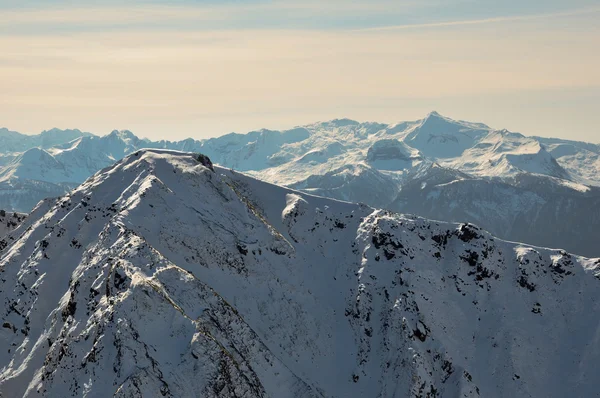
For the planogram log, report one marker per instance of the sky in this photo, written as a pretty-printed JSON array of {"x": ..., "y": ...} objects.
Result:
[{"x": 200, "y": 69}]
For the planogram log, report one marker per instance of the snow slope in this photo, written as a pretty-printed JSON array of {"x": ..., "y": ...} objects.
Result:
[
  {"x": 538, "y": 190},
  {"x": 437, "y": 136},
  {"x": 9, "y": 221},
  {"x": 534, "y": 210},
  {"x": 162, "y": 277},
  {"x": 578, "y": 158}
]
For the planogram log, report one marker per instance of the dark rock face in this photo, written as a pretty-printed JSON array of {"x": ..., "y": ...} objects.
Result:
[
  {"x": 543, "y": 215},
  {"x": 9, "y": 221},
  {"x": 160, "y": 278},
  {"x": 205, "y": 161},
  {"x": 389, "y": 149}
]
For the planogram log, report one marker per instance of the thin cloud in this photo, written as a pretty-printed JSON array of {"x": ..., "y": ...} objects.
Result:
[
  {"x": 117, "y": 15},
  {"x": 237, "y": 78},
  {"x": 483, "y": 21},
  {"x": 94, "y": 16}
]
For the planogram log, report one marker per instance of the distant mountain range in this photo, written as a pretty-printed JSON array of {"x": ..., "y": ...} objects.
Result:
[
  {"x": 543, "y": 191},
  {"x": 166, "y": 276}
]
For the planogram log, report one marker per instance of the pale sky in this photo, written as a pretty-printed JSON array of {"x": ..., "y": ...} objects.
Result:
[{"x": 204, "y": 68}]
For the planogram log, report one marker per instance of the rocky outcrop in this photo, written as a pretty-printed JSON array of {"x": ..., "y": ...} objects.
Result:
[{"x": 159, "y": 277}]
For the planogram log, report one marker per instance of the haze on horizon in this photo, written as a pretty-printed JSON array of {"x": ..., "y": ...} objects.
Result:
[{"x": 204, "y": 68}]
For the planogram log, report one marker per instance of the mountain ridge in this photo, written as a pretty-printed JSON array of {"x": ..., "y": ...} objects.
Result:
[
  {"x": 265, "y": 291},
  {"x": 376, "y": 164}
]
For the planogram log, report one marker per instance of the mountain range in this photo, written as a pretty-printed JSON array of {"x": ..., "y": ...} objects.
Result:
[
  {"x": 542, "y": 191},
  {"x": 166, "y": 275}
]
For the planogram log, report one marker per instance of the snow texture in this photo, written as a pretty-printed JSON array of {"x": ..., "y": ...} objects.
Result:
[
  {"x": 161, "y": 276},
  {"x": 538, "y": 190}
]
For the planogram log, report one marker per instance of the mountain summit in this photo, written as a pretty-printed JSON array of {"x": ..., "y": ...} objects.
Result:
[
  {"x": 528, "y": 189},
  {"x": 160, "y": 276}
]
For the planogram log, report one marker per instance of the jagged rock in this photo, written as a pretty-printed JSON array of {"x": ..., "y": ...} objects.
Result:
[{"x": 178, "y": 281}]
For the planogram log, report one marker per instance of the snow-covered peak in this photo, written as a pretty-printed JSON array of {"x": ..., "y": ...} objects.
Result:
[
  {"x": 377, "y": 164},
  {"x": 441, "y": 137},
  {"x": 34, "y": 155},
  {"x": 161, "y": 277},
  {"x": 4, "y": 133},
  {"x": 124, "y": 136},
  {"x": 15, "y": 142},
  {"x": 55, "y": 136},
  {"x": 505, "y": 154},
  {"x": 34, "y": 164},
  {"x": 433, "y": 120},
  {"x": 337, "y": 123},
  {"x": 580, "y": 159}
]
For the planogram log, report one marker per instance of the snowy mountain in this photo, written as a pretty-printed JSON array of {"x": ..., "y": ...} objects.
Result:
[
  {"x": 166, "y": 276},
  {"x": 16, "y": 142},
  {"x": 534, "y": 209},
  {"x": 38, "y": 173},
  {"x": 538, "y": 190},
  {"x": 9, "y": 221}
]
